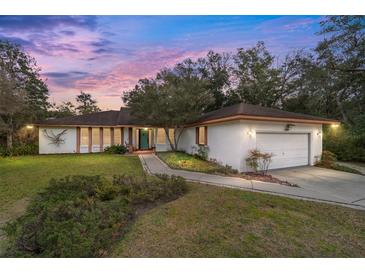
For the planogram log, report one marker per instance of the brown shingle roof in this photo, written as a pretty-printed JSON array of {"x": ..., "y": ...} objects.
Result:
[
  {"x": 124, "y": 117},
  {"x": 243, "y": 109}
]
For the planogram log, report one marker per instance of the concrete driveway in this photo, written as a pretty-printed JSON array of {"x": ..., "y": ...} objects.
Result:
[
  {"x": 316, "y": 184},
  {"x": 329, "y": 184}
]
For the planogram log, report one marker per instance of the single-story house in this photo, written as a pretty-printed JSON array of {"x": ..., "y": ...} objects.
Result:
[{"x": 230, "y": 133}]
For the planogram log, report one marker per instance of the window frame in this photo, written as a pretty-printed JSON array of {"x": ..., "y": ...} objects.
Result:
[{"x": 197, "y": 135}]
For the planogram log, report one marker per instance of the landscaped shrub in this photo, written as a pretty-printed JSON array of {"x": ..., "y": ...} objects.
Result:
[
  {"x": 223, "y": 169},
  {"x": 259, "y": 161},
  {"x": 83, "y": 216},
  {"x": 116, "y": 149},
  {"x": 201, "y": 151},
  {"x": 19, "y": 150},
  {"x": 328, "y": 160}
]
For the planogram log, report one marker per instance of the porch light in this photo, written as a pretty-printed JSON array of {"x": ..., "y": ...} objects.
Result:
[
  {"x": 145, "y": 128},
  {"x": 29, "y": 126},
  {"x": 335, "y": 125}
]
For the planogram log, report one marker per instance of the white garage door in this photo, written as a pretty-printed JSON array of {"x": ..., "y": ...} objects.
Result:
[{"x": 289, "y": 149}]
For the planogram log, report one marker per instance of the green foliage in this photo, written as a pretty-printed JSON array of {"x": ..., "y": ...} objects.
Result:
[
  {"x": 201, "y": 152},
  {"x": 116, "y": 149},
  {"x": 83, "y": 216},
  {"x": 328, "y": 160},
  {"x": 19, "y": 150},
  {"x": 174, "y": 98},
  {"x": 223, "y": 169},
  {"x": 86, "y": 104},
  {"x": 346, "y": 144},
  {"x": 259, "y": 161},
  {"x": 24, "y": 95},
  {"x": 66, "y": 109},
  {"x": 259, "y": 81}
]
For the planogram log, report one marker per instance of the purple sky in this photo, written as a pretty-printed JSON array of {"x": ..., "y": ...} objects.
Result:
[{"x": 106, "y": 55}]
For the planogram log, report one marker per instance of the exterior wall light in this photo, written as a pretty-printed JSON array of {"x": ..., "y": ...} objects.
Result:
[
  {"x": 250, "y": 133},
  {"x": 319, "y": 133},
  {"x": 29, "y": 127},
  {"x": 335, "y": 125}
]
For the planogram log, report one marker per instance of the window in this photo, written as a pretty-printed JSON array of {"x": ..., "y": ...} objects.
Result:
[
  {"x": 161, "y": 136},
  {"x": 172, "y": 135},
  {"x": 95, "y": 136},
  {"x": 84, "y": 136},
  {"x": 201, "y": 135},
  {"x": 117, "y": 136},
  {"x": 106, "y": 136}
]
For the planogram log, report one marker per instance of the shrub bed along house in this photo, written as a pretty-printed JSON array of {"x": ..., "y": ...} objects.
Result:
[
  {"x": 19, "y": 149},
  {"x": 83, "y": 216},
  {"x": 116, "y": 149}
]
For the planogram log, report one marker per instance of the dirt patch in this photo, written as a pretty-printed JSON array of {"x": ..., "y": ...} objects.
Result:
[{"x": 265, "y": 178}]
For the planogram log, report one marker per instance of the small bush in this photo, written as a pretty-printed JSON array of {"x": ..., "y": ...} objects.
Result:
[
  {"x": 201, "y": 152},
  {"x": 259, "y": 161},
  {"x": 116, "y": 149},
  {"x": 82, "y": 216},
  {"x": 19, "y": 150},
  {"x": 223, "y": 169},
  {"x": 328, "y": 160}
]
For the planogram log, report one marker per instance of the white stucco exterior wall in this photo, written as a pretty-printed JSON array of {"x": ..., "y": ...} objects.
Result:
[
  {"x": 229, "y": 143},
  {"x": 187, "y": 140},
  {"x": 69, "y": 146}
]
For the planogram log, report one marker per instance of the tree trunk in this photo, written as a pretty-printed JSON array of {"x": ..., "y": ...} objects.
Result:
[
  {"x": 341, "y": 108},
  {"x": 9, "y": 134},
  {"x": 168, "y": 138}
]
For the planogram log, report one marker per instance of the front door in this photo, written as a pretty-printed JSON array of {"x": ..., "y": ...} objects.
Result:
[{"x": 143, "y": 139}]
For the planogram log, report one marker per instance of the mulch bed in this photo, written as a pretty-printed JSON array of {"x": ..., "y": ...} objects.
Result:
[{"x": 265, "y": 178}]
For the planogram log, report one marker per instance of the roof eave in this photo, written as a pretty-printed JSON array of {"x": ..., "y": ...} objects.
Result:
[{"x": 265, "y": 118}]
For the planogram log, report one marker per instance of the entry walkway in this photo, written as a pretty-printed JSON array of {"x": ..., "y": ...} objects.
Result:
[{"x": 153, "y": 165}]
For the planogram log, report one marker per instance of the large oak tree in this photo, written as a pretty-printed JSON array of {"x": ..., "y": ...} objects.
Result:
[{"x": 173, "y": 99}]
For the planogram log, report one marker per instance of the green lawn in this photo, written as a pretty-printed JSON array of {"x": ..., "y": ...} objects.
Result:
[
  {"x": 211, "y": 221},
  {"x": 181, "y": 160},
  {"x": 22, "y": 177}
]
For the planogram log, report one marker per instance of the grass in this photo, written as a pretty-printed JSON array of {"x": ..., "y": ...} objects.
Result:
[
  {"x": 218, "y": 222},
  {"x": 346, "y": 169},
  {"x": 22, "y": 177},
  {"x": 181, "y": 160}
]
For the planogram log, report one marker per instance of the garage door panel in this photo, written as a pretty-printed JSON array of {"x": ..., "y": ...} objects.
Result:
[{"x": 288, "y": 149}]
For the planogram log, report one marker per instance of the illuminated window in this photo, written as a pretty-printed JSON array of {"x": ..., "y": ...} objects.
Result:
[
  {"x": 96, "y": 136},
  {"x": 84, "y": 136},
  {"x": 106, "y": 136},
  {"x": 117, "y": 136},
  {"x": 171, "y": 135},
  {"x": 201, "y": 135},
  {"x": 161, "y": 136}
]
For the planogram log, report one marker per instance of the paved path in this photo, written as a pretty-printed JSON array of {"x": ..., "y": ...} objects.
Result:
[{"x": 153, "y": 165}]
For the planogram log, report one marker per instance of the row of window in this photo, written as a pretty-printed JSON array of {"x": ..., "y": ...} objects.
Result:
[
  {"x": 95, "y": 136},
  {"x": 201, "y": 136}
]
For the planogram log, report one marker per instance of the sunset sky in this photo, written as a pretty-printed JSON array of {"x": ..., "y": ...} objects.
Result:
[{"x": 106, "y": 55}]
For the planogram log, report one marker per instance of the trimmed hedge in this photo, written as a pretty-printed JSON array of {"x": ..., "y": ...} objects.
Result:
[
  {"x": 83, "y": 216},
  {"x": 116, "y": 149}
]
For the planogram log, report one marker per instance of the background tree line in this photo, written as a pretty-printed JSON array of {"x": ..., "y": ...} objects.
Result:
[{"x": 326, "y": 81}]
